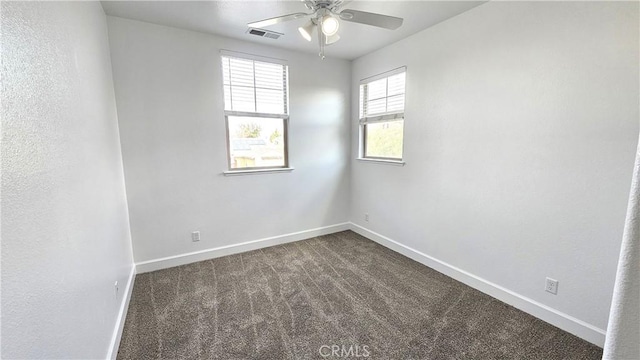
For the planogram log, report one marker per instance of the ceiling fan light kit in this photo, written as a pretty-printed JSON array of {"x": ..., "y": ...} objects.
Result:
[
  {"x": 331, "y": 39},
  {"x": 330, "y": 25},
  {"x": 321, "y": 15},
  {"x": 307, "y": 30}
]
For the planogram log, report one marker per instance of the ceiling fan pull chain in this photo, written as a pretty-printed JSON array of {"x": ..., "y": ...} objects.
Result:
[{"x": 320, "y": 40}]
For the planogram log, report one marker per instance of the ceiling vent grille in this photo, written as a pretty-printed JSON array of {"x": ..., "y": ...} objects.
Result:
[{"x": 264, "y": 33}]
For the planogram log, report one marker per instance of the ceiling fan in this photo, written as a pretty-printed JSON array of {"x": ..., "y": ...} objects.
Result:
[{"x": 324, "y": 14}]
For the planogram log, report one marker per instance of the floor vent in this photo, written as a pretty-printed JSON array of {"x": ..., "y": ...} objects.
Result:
[{"x": 264, "y": 33}]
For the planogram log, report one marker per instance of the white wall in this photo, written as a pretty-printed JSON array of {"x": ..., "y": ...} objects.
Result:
[
  {"x": 65, "y": 227},
  {"x": 170, "y": 107},
  {"x": 520, "y": 133}
]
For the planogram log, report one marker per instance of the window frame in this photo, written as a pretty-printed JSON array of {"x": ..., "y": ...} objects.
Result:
[
  {"x": 285, "y": 137},
  {"x": 250, "y": 114},
  {"x": 387, "y": 117}
]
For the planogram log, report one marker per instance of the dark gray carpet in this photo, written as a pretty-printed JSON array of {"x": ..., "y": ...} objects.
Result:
[{"x": 295, "y": 301}]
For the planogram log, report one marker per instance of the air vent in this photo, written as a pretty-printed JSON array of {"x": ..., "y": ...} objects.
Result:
[{"x": 264, "y": 33}]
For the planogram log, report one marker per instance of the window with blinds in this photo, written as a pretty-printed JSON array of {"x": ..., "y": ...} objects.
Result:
[
  {"x": 254, "y": 86},
  {"x": 382, "y": 100},
  {"x": 256, "y": 111}
]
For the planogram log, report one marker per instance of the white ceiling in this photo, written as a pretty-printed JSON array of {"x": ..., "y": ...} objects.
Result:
[{"x": 230, "y": 18}]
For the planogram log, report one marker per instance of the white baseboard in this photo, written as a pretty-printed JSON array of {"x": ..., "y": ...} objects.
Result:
[
  {"x": 122, "y": 315},
  {"x": 188, "y": 258},
  {"x": 554, "y": 317}
]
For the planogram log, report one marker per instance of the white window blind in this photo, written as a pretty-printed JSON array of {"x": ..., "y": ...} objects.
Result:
[
  {"x": 382, "y": 97},
  {"x": 252, "y": 86}
]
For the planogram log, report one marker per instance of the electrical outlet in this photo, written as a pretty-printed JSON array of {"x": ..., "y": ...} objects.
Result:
[
  {"x": 551, "y": 286},
  {"x": 116, "y": 286},
  {"x": 366, "y": 217},
  {"x": 195, "y": 236}
]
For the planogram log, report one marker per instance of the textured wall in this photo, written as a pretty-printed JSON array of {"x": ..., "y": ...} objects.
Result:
[
  {"x": 65, "y": 228},
  {"x": 520, "y": 133},
  {"x": 623, "y": 331},
  {"x": 169, "y": 89}
]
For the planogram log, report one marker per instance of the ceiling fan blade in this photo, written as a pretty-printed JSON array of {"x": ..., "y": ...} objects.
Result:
[
  {"x": 363, "y": 17},
  {"x": 276, "y": 20}
]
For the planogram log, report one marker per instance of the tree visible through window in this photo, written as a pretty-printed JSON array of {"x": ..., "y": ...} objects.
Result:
[
  {"x": 256, "y": 112},
  {"x": 382, "y": 115},
  {"x": 248, "y": 130}
]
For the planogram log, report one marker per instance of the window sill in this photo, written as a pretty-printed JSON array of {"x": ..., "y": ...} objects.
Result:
[
  {"x": 256, "y": 171},
  {"x": 381, "y": 161}
]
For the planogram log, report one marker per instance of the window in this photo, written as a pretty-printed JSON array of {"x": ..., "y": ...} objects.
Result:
[
  {"x": 256, "y": 112},
  {"x": 382, "y": 115}
]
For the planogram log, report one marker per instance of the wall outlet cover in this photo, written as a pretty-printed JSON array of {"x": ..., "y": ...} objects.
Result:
[{"x": 551, "y": 286}]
